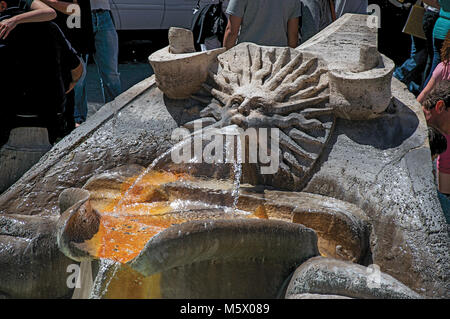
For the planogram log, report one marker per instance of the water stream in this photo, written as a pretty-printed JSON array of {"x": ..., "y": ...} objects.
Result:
[
  {"x": 229, "y": 148},
  {"x": 106, "y": 266},
  {"x": 233, "y": 153}
]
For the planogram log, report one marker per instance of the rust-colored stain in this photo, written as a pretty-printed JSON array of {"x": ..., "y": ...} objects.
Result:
[
  {"x": 125, "y": 228},
  {"x": 131, "y": 217}
]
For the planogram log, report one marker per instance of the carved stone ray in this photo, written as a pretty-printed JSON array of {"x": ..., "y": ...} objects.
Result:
[{"x": 267, "y": 87}]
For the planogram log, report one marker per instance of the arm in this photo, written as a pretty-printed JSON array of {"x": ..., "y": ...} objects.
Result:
[
  {"x": 60, "y": 6},
  {"x": 40, "y": 12},
  {"x": 423, "y": 95},
  {"x": 232, "y": 32},
  {"x": 293, "y": 32},
  {"x": 76, "y": 75}
]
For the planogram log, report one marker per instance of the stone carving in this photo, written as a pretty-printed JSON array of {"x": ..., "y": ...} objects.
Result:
[
  {"x": 328, "y": 276},
  {"x": 268, "y": 87},
  {"x": 180, "y": 70},
  {"x": 372, "y": 184},
  {"x": 265, "y": 235},
  {"x": 362, "y": 92}
]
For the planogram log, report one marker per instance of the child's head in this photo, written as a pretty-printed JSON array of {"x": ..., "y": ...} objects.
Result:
[{"x": 445, "y": 51}]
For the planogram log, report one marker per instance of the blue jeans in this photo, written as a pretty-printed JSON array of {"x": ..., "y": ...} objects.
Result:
[
  {"x": 437, "y": 46},
  {"x": 106, "y": 60},
  {"x": 410, "y": 72}
]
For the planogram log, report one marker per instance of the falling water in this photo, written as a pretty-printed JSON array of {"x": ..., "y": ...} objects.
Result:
[
  {"x": 237, "y": 169},
  {"x": 107, "y": 266},
  {"x": 149, "y": 168},
  {"x": 236, "y": 162}
]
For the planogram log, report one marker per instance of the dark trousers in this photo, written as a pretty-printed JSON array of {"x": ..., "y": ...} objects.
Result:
[
  {"x": 411, "y": 71},
  {"x": 437, "y": 46},
  {"x": 429, "y": 20}
]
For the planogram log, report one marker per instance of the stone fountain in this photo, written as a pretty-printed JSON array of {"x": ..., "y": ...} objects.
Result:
[{"x": 351, "y": 210}]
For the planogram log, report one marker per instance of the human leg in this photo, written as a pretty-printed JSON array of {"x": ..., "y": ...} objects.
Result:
[
  {"x": 410, "y": 72},
  {"x": 80, "y": 107},
  {"x": 106, "y": 55},
  {"x": 437, "y": 46},
  {"x": 429, "y": 20}
]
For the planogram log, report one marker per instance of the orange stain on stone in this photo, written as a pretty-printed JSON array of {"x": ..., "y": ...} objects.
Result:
[
  {"x": 127, "y": 224},
  {"x": 140, "y": 211}
]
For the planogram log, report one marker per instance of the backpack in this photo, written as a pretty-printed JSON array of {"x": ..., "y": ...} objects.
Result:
[{"x": 207, "y": 22}]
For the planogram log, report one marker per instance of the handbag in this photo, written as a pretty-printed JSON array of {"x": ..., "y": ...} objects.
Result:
[{"x": 414, "y": 23}]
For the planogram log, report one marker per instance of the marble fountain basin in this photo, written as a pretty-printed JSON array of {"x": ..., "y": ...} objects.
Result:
[{"x": 172, "y": 235}]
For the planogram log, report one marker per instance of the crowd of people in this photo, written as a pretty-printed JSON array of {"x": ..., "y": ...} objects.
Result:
[
  {"x": 44, "y": 59},
  {"x": 44, "y": 48}
]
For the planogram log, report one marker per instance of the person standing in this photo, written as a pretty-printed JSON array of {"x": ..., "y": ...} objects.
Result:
[
  {"x": 37, "y": 87},
  {"x": 35, "y": 11},
  {"x": 80, "y": 34},
  {"x": 350, "y": 6},
  {"x": 105, "y": 57},
  {"x": 411, "y": 71},
  {"x": 316, "y": 16},
  {"x": 264, "y": 22},
  {"x": 429, "y": 20},
  {"x": 436, "y": 108},
  {"x": 441, "y": 27},
  {"x": 441, "y": 74}
]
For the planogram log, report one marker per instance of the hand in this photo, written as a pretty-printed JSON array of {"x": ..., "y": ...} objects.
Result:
[
  {"x": 6, "y": 26},
  {"x": 71, "y": 86},
  {"x": 76, "y": 76}
]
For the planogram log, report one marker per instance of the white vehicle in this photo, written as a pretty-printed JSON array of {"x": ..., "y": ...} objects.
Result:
[{"x": 154, "y": 14}]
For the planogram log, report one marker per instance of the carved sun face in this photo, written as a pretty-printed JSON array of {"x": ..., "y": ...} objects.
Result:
[{"x": 268, "y": 87}]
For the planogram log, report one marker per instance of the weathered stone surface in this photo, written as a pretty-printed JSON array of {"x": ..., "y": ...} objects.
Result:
[
  {"x": 362, "y": 94},
  {"x": 381, "y": 166},
  {"x": 251, "y": 263},
  {"x": 334, "y": 277},
  {"x": 394, "y": 186},
  {"x": 181, "y": 41},
  {"x": 104, "y": 142},
  {"x": 340, "y": 43},
  {"x": 77, "y": 224},
  {"x": 359, "y": 76},
  {"x": 225, "y": 258},
  {"x": 257, "y": 87},
  {"x": 31, "y": 265},
  {"x": 135, "y": 128},
  {"x": 179, "y": 70},
  {"x": 342, "y": 227}
]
